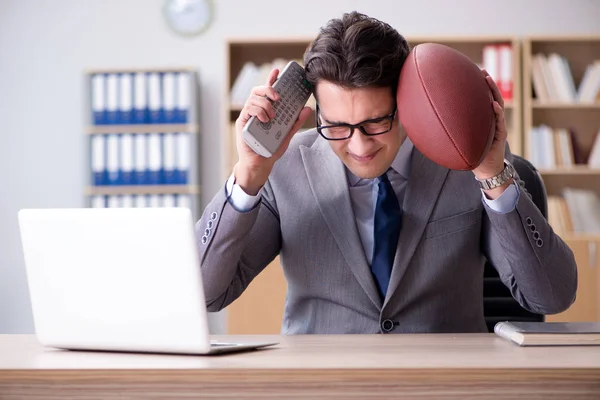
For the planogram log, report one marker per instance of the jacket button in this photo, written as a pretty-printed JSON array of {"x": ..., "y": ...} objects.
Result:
[
  {"x": 213, "y": 216},
  {"x": 387, "y": 325},
  {"x": 528, "y": 221}
]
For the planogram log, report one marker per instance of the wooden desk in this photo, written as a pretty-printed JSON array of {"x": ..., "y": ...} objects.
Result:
[{"x": 339, "y": 367}]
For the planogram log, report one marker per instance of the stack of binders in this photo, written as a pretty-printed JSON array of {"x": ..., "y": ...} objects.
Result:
[
  {"x": 142, "y": 141},
  {"x": 141, "y": 159},
  {"x": 141, "y": 98}
]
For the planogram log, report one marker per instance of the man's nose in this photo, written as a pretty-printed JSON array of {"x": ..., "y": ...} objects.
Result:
[{"x": 360, "y": 144}]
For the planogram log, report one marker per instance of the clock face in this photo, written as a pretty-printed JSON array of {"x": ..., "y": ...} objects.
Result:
[{"x": 188, "y": 17}]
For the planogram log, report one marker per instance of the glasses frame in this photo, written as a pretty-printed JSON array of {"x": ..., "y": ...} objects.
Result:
[{"x": 358, "y": 126}]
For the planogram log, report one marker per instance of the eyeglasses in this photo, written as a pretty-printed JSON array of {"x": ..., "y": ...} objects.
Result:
[{"x": 369, "y": 127}]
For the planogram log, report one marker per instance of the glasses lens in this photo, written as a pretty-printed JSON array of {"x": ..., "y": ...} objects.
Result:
[
  {"x": 336, "y": 132},
  {"x": 376, "y": 127}
]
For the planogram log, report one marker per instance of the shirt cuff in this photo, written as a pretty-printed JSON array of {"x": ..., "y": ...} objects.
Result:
[
  {"x": 506, "y": 202},
  {"x": 240, "y": 200}
]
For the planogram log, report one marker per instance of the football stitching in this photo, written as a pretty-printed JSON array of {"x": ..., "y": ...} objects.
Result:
[{"x": 435, "y": 111}]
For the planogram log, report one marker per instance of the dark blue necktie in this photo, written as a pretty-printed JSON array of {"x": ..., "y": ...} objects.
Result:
[{"x": 388, "y": 219}]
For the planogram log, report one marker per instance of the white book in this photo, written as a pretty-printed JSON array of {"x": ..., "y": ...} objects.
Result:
[
  {"x": 127, "y": 153},
  {"x": 98, "y": 201},
  {"x": 98, "y": 95},
  {"x": 536, "y": 147},
  {"x": 154, "y": 201},
  {"x": 184, "y": 200},
  {"x": 537, "y": 77},
  {"x": 112, "y": 94},
  {"x": 505, "y": 72},
  {"x": 590, "y": 84},
  {"x": 168, "y": 96},
  {"x": 184, "y": 94},
  {"x": 594, "y": 159},
  {"x": 549, "y": 148},
  {"x": 127, "y": 201},
  {"x": 243, "y": 83},
  {"x": 141, "y": 158},
  {"x": 183, "y": 155},
  {"x": 168, "y": 200},
  {"x": 126, "y": 100},
  {"x": 140, "y": 91},
  {"x": 154, "y": 97},
  {"x": 169, "y": 148},
  {"x": 560, "y": 78},
  {"x": 154, "y": 157},
  {"x": 565, "y": 147},
  {"x": 114, "y": 201},
  {"x": 491, "y": 61},
  {"x": 141, "y": 201},
  {"x": 553, "y": 94},
  {"x": 112, "y": 158},
  {"x": 568, "y": 77},
  {"x": 98, "y": 158}
]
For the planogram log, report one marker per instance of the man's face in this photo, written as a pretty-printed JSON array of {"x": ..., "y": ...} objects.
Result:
[{"x": 365, "y": 156}]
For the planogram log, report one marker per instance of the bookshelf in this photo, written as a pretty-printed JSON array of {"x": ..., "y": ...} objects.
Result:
[
  {"x": 561, "y": 126},
  {"x": 142, "y": 138},
  {"x": 259, "y": 309}
]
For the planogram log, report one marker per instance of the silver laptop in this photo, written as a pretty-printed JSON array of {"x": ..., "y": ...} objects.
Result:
[{"x": 122, "y": 279}]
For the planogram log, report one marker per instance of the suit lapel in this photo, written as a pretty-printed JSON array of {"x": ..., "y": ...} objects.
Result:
[
  {"x": 327, "y": 178},
  {"x": 422, "y": 191}
]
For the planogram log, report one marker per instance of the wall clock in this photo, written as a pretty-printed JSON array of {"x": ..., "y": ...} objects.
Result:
[{"x": 188, "y": 17}]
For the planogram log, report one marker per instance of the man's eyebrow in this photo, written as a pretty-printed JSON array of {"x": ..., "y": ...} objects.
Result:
[
  {"x": 335, "y": 122},
  {"x": 346, "y": 123}
]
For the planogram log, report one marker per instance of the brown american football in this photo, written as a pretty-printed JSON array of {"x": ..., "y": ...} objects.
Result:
[{"x": 445, "y": 106}]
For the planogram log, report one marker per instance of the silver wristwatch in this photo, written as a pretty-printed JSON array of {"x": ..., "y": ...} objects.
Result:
[{"x": 495, "y": 181}]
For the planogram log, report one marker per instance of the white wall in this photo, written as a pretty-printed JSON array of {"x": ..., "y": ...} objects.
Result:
[{"x": 45, "y": 45}]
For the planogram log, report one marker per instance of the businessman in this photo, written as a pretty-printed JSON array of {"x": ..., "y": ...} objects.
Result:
[{"x": 373, "y": 237}]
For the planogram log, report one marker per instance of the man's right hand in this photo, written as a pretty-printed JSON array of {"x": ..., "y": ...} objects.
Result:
[{"x": 252, "y": 170}]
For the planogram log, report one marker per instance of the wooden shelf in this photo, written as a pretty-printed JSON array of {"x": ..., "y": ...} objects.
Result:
[
  {"x": 134, "y": 70},
  {"x": 583, "y": 237},
  {"x": 569, "y": 106},
  {"x": 142, "y": 189},
  {"x": 133, "y": 128},
  {"x": 576, "y": 170}
]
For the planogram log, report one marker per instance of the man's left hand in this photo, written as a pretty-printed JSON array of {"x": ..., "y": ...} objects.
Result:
[{"x": 493, "y": 162}]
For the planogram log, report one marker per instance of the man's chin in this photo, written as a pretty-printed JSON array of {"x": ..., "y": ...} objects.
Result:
[{"x": 366, "y": 171}]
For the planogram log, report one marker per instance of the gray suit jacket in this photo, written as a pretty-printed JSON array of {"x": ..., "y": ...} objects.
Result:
[{"x": 436, "y": 285}]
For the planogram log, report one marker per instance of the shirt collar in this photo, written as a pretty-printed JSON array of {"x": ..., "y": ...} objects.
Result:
[{"x": 400, "y": 164}]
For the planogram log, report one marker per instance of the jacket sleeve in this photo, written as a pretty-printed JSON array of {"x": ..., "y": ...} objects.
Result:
[
  {"x": 234, "y": 246},
  {"x": 533, "y": 262}
]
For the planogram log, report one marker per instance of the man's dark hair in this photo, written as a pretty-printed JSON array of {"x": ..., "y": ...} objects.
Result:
[{"x": 356, "y": 51}]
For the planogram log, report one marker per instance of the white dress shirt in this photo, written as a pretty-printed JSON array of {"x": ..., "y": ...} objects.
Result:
[{"x": 363, "y": 195}]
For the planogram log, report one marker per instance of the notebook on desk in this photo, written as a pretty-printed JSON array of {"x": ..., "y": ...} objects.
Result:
[{"x": 549, "y": 333}]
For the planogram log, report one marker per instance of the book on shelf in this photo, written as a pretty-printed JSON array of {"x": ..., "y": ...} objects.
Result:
[
  {"x": 497, "y": 59},
  {"x": 576, "y": 211},
  {"x": 123, "y": 98},
  {"x": 558, "y": 148},
  {"x": 549, "y": 333},
  {"x": 498, "y": 62},
  {"x": 553, "y": 81},
  {"x": 252, "y": 75}
]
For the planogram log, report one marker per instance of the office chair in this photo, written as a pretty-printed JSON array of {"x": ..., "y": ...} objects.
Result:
[{"x": 498, "y": 303}]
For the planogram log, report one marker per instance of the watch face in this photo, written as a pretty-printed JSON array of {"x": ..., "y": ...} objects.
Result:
[{"x": 188, "y": 17}]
